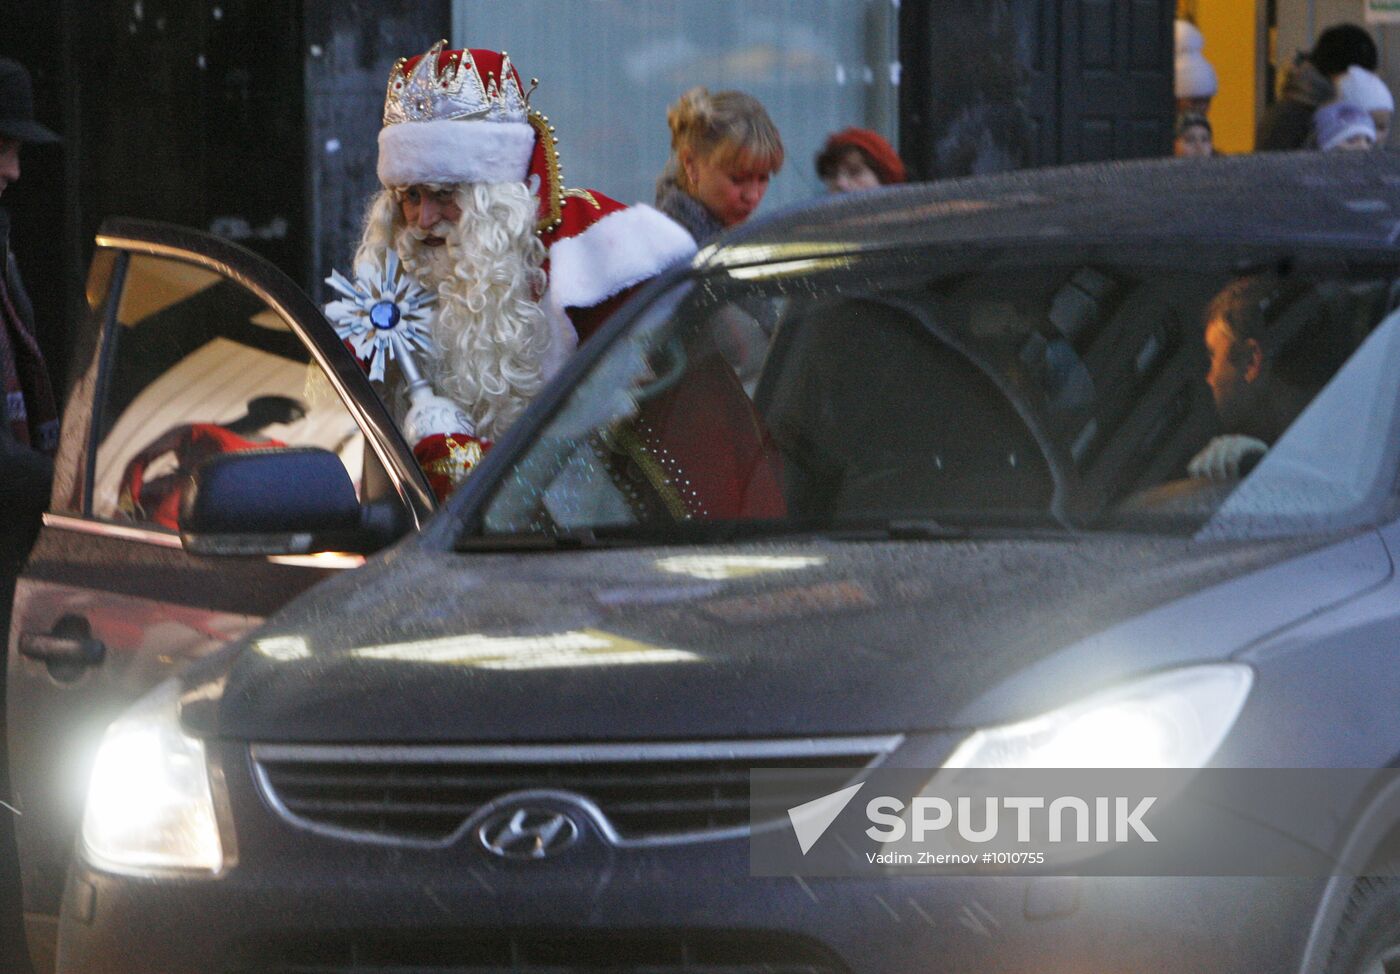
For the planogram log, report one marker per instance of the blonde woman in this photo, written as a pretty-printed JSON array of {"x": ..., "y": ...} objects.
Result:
[{"x": 724, "y": 150}]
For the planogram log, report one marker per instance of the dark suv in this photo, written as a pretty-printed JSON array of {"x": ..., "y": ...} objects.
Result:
[{"x": 1012, "y": 508}]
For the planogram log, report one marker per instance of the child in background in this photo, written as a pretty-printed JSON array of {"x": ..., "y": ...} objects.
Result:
[
  {"x": 1343, "y": 127},
  {"x": 1311, "y": 82},
  {"x": 1193, "y": 136},
  {"x": 1366, "y": 90}
]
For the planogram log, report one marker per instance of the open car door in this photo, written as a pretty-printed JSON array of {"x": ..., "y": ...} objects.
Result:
[{"x": 192, "y": 347}]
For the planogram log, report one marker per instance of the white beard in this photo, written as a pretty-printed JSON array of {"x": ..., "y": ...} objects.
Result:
[{"x": 492, "y": 335}]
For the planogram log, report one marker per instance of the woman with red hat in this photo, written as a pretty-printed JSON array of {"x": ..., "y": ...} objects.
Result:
[{"x": 858, "y": 159}]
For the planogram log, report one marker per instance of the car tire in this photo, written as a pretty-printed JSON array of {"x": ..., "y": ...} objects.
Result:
[{"x": 1368, "y": 935}]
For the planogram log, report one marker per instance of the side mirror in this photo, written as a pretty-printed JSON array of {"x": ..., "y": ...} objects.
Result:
[{"x": 279, "y": 502}]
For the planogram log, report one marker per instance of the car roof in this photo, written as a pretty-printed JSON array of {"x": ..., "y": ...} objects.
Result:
[{"x": 1347, "y": 199}]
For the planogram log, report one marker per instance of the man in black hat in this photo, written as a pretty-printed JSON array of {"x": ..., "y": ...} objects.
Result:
[
  {"x": 28, "y": 438},
  {"x": 28, "y": 412}
]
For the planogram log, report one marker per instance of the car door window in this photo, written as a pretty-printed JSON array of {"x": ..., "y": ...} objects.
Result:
[{"x": 201, "y": 366}]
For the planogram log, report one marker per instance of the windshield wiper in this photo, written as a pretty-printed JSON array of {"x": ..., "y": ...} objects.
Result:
[
  {"x": 737, "y": 532},
  {"x": 572, "y": 538},
  {"x": 710, "y": 532},
  {"x": 908, "y": 529}
]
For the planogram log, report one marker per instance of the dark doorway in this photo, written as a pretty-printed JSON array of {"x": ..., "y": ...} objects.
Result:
[
  {"x": 990, "y": 85},
  {"x": 170, "y": 110},
  {"x": 193, "y": 113}
]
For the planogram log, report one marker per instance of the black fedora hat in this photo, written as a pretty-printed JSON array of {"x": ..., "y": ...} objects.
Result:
[{"x": 17, "y": 105}]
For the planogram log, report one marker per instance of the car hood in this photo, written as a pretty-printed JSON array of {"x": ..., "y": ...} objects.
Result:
[{"x": 745, "y": 641}]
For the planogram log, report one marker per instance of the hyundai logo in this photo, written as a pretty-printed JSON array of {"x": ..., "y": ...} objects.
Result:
[{"x": 528, "y": 832}]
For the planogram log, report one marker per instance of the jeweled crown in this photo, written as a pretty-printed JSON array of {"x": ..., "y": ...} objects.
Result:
[{"x": 463, "y": 84}]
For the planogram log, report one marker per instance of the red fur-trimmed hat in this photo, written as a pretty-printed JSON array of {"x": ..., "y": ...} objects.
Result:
[
  {"x": 463, "y": 117},
  {"x": 455, "y": 117}
]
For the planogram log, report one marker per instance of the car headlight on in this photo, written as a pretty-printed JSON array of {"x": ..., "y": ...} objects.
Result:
[
  {"x": 149, "y": 805},
  {"x": 1175, "y": 719}
]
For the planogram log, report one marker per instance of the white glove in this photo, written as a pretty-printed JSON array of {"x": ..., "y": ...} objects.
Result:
[
  {"x": 429, "y": 414},
  {"x": 1223, "y": 457}
]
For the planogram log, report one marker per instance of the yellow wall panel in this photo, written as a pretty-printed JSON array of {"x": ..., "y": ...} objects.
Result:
[{"x": 1231, "y": 32}]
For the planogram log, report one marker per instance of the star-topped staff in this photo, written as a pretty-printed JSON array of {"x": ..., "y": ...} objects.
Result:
[
  {"x": 382, "y": 316},
  {"x": 385, "y": 316}
]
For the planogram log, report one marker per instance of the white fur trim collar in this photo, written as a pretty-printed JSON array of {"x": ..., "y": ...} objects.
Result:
[
  {"x": 622, "y": 249},
  {"x": 448, "y": 151}
]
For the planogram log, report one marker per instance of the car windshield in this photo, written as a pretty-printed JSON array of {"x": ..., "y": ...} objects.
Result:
[{"x": 1135, "y": 387}]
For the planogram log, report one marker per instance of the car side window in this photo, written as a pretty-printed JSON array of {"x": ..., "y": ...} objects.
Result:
[{"x": 200, "y": 365}]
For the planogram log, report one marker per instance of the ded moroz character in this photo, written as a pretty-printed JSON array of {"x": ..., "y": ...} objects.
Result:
[{"x": 478, "y": 272}]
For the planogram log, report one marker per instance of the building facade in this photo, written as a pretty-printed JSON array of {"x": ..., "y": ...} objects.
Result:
[{"x": 257, "y": 119}]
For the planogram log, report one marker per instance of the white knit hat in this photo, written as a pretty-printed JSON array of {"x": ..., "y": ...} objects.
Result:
[
  {"x": 1338, "y": 121},
  {"x": 1195, "y": 78},
  {"x": 1363, "y": 88},
  {"x": 1188, "y": 38}
]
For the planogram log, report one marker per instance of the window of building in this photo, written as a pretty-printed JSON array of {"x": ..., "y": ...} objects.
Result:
[{"x": 608, "y": 69}]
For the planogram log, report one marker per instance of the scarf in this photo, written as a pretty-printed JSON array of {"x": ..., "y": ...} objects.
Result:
[
  {"x": 685, "y": 209},
  {"x": 29, "y": 400},
  {"x": 1308, "y": 86}
]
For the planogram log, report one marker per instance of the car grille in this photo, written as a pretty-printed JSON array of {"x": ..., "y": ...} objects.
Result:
[
  {"x": 680, "y": 953},
  {"x": 646, "y": 793}
]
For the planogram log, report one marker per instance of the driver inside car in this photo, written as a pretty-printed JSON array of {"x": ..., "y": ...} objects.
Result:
[{"x": 1271, "y": 350}]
